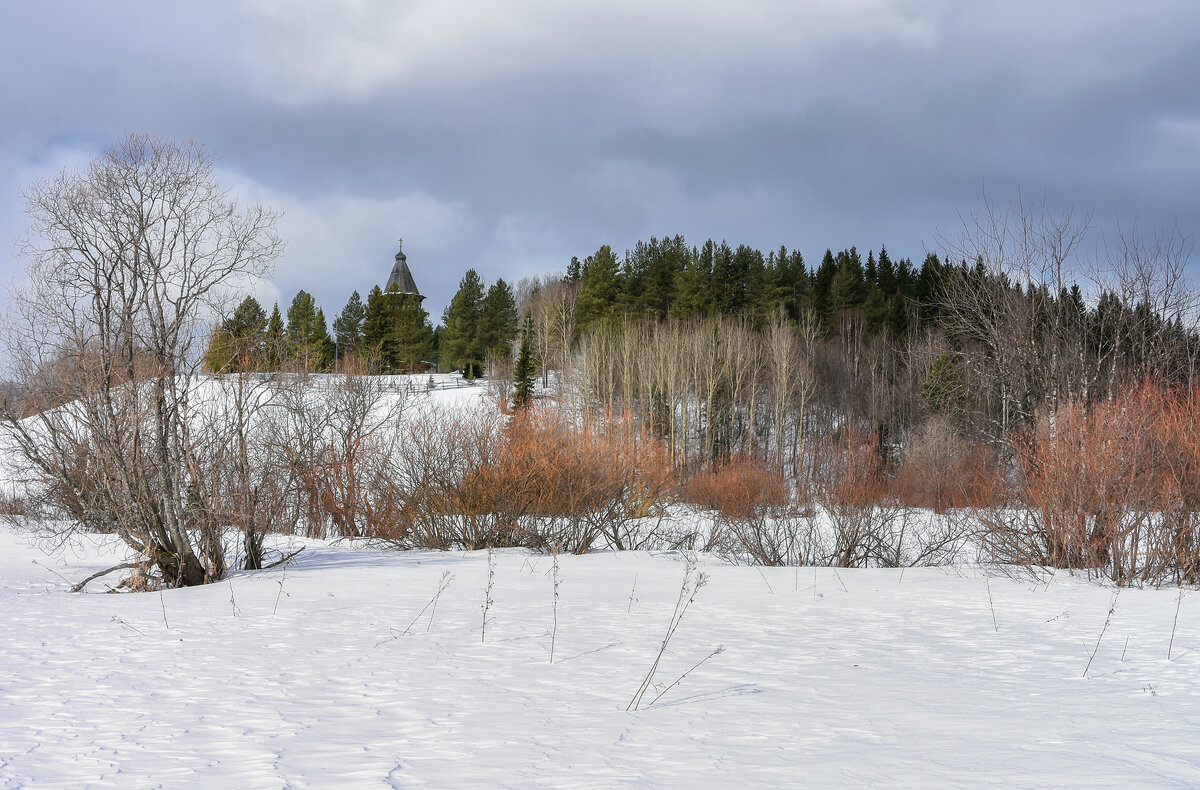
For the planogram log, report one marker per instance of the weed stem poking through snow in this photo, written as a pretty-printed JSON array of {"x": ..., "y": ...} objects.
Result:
[
  {"x": 991, "y": 604},
  {"x": 1112, "y": 608},
  {"x": 432, "y": 604},
  {"x": 720, "y": 649},
  {"x": 279, "y": 594},
  {"x": 487, "y": 595},
  {"x": 554, "y": 630},
  {"x": 693, "y": 581},
  {"x": 1178, "y": 603}
]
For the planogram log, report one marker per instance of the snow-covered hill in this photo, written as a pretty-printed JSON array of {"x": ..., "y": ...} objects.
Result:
[{"x": 305, "y": 677}]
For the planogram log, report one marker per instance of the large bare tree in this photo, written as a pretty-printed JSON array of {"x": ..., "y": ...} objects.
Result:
[{"x": 128, "y": 261}]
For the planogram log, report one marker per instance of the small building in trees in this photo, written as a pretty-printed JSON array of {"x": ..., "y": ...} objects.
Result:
[
  {"x": 401, "y": 279},
  {"x": 396, "y": 334}
]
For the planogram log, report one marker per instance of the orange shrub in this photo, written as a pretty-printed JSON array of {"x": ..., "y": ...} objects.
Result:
[
  {"x": 941, "y": 471},
  {"x": 537, "y": 480},
  {"x": 739, "y": 490}
]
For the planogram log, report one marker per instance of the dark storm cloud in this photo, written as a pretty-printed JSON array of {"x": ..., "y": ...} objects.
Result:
[{"x": 510, "y": 136}]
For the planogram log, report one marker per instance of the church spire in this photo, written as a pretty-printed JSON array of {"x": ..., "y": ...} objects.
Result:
[{"x": 401, "y": 277}]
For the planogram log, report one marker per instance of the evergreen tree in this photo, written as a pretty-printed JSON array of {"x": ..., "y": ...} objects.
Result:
[
  {"x": 396, "y": 335},
  {"x": 574, "y": 270},
  {"x": 498, "y": 321},
  {"x": 600, "y": 290},
  {"x": 822, "y": 288},
  {"x": 886, "y": 273},
  {"x": 875, "y": 310},
  {"x": 347, "y": 327},
  {"x": 849, "y": 287},
  {"x": 274, "y": 340},
  {"x": 410, "y": 336},
  {"x": 375, "y": 324},
  {"x": 524, "y": 372},
  {"x": 897, "y": 320},
  {"x": 666, "y": 261},
  {"x": 945, "y": 389},
  {"x": 239, "y": 342},
  {"x": 928, "y": 290},
  {"x": 691, "y": 283},
  {"x": 461, "y": 346},
  {"x": 307, "y": 336}
]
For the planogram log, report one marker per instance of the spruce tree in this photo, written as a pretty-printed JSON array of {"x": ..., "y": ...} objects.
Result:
[
  {"x": 690, "y": 285},
  {"x": 498, "y": 321},
  {"x": 524, "y": 371},
  {"x": 238, "y": 344},
  {"x": 375, "y": 323},
  {"x": 347, "y": 327},
  {"x": 410, "y": 337},
  {"x": 274, "y": 340},
  {"x": 307, "y": 336},
  {"x": 574, "y": 270},
  {"x": 601, "y": 288},
  {"x": 461, "y": 347},
  {"x": 849, "y": 287}
]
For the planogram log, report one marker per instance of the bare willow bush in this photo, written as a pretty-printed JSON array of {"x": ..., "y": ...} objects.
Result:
[
  {"x": 869, "y": 525},
  {"x": 753, "y": 512},
  {"x": 129, "y": 260},
  {"x": 1112, "y": 489},
  {"x": 477, "y": 478},
  {"x": 942, "y": 471},
  {"x": 338, "y": 438}
]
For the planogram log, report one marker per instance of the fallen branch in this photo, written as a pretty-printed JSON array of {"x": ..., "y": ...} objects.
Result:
[
  {"x": 282, "y": 560},
  {"x": 98, "y": 574}
]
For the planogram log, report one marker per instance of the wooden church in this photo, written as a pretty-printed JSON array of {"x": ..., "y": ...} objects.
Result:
[{"x": 401, "y": 279}]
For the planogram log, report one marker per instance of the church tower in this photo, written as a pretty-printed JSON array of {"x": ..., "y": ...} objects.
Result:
[{"x": 402, "y": 278}]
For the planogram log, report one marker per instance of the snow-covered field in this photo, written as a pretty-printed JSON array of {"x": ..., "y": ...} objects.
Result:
[{"x": 304, "y": 678}]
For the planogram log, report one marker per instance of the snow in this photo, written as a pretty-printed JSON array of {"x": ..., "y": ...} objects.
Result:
[{"x": 303, "y": 677}]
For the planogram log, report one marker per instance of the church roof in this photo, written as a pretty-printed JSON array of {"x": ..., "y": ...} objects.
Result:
[{"x": 401, "y": 277}]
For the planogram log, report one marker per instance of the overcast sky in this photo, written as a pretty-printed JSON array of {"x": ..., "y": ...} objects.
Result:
[{"x": 509, "y": 135}]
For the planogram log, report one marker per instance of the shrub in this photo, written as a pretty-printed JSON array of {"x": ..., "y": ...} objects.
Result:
[
  {"x": 752, "y": 509},
  {"x": 941, "y": 471},
  {"x": 1111, "y": 488},
  {"x": 535, "y": 479}
]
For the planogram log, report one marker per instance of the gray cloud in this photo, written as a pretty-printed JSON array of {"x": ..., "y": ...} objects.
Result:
[{"x": 509, "y": 136}]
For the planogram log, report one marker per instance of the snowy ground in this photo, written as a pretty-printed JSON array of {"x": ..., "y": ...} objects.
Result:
[{"x": 872, "y": 679}]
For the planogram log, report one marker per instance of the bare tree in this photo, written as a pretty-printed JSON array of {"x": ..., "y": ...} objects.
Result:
[
  {"x": 128, "y": 262},
  {"x": 1148, "y": 272},
  {"x": 1006, "y": 303}
]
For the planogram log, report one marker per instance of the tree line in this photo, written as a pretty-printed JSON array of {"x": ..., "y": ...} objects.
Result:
[
  {"x": 391, "y": 333},
  {"x": 1010, "y": 323}
]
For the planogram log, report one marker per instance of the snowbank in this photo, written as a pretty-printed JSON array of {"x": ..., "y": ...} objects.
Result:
[{"x": 304, "y": 677}]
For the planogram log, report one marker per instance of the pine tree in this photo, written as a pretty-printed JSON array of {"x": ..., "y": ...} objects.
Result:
[
  {"x": 524, "y": 372},
  {"x": 875, "y": 309},
  {"x": 886, "y": 273},
  {"x": 691, "y": 283},
  {"x": 849, "y": 287},
  {"x": 945, "y": 389},
  {"x": 461, "y": 347},
  {"x": 822, "y": 290}
]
